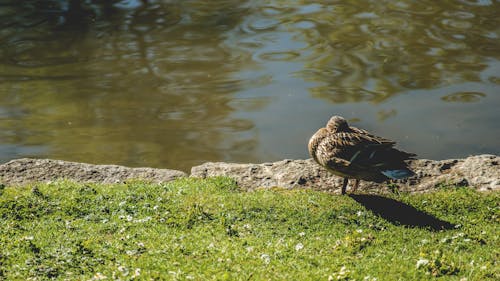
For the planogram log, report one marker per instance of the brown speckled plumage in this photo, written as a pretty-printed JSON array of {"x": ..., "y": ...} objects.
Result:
[{"x": 353, "y": 153}]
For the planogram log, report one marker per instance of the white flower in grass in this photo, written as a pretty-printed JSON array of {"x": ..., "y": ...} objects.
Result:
[
  {"x": 422, "y": 262},
  {"x": 266, "y": 258},
  {"x": 99, "y": 276},
  {"x": 146, "y": 219},
  {"x": 299, "y": 247},
  {"x": 343, "y": 274},
  {"x": 302, "y": 234},
  {"x": 137, "y": 273}
]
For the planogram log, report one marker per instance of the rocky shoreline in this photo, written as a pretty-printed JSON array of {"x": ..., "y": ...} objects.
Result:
[{"x": 481, "y": 172}]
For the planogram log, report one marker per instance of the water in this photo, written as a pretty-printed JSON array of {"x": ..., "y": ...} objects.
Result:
[{"x": 173, "y": 84}]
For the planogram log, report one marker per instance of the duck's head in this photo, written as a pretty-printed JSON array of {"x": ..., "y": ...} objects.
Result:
[{"x": 337, "y": 124}]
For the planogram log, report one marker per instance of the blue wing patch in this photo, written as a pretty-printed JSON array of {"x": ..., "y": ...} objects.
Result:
[{"x": 398, "y": 174}]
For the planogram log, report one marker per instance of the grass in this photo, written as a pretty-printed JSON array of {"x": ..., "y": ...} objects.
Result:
[{"x": 193, "y": 229}]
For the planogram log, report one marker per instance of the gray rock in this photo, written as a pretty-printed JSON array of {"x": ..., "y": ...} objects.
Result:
[
  {"x": 284, "y": 174},
  {"x": 22, "y": 171},
  {"x": 481, "y": 172}
]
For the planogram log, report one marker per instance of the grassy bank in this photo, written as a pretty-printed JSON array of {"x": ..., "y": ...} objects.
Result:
[{"x": 208, "y": 230}]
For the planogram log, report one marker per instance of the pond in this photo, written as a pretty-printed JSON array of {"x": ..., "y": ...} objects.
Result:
[{"x": 174, "y": 84}]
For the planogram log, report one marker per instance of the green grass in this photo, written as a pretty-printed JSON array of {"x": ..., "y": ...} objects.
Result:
[{"x": 208, "y": 230}]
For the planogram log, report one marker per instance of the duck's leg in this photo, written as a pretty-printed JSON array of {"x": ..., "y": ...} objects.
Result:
[
  {"x": 356, "y": 184},
  {"x": 344, "y": 186}
]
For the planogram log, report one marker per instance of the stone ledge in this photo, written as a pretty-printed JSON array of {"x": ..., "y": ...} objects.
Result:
[
  {"x": 481, "y": 172},
  {"x": 26, "y": 170}
]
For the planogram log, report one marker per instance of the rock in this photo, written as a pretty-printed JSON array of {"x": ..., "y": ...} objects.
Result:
[
  {"x": 481, "y": 172},
  {"x": 22, "y": 171},
  {"x": 284, "y": 174}
]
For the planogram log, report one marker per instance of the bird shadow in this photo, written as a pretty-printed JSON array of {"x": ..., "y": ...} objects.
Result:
[{"x": 400, "y": 213}]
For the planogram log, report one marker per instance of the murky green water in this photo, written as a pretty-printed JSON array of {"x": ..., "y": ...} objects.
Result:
[{"x": 176, "y": 83}]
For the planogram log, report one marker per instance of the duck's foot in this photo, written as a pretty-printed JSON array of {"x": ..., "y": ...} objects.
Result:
[
  {"x": 344, "y": 186},
  {"x": 356, "y": 185}
]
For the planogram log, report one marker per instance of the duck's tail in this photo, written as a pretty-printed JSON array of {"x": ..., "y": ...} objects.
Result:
[{"x": 398, "y": 173}]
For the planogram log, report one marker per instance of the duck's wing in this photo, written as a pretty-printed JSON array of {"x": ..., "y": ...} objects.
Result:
[
  {"x": 359, "y": 154},
  {"x": 375, "y": 140},
  {"x": 368, "y": 151},
  {"x": 345, "y": 147},
  {"x": 343, "y": 154}
]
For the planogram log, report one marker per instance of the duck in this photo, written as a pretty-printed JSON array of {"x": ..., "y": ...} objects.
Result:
[{"x": 354, "y": 153}]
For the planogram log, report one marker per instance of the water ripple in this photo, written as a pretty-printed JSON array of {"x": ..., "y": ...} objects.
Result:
[
  {"x": 464, "y": 97},
  {"x": 477, "y": 2},
  {"x": 279, "y": 56},
  {"x": 420, "y": 8},
  {"x": 276, "y": 11},
  {"x": 454, "y": 24},
  {"x": 263, "y": 24}
]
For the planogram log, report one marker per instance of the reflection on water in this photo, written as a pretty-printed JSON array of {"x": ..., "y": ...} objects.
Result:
[{"x": 177, "y": 83}]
